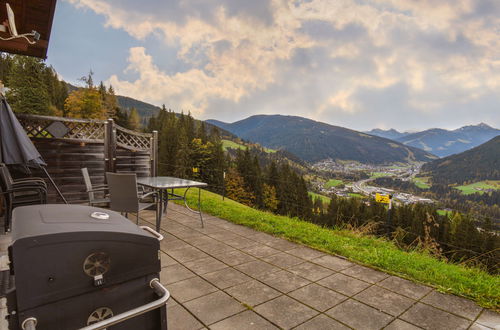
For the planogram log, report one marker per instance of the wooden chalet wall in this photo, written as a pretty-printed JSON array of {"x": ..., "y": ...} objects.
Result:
[{"x": 68, "y": 145}]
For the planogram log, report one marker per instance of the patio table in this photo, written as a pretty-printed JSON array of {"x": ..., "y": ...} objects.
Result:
[{"x": 162, "y": 184}]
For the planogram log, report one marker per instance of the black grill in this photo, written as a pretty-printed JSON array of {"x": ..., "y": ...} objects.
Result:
[{"x": 73, "y": 267}]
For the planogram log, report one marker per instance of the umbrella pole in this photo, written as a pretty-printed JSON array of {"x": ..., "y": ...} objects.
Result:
[{"x": 54, "y": 184}]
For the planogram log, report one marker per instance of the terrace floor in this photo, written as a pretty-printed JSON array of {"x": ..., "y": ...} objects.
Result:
[{"x": 226, "y": 276}]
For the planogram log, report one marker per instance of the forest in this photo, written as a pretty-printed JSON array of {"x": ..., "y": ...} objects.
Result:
[{"x": 189, "y": 148}]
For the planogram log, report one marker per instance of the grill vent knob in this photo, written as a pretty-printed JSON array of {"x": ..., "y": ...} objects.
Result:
[
  {"x": 96, "y": 264},
  {"x": 100, "y": 314}
]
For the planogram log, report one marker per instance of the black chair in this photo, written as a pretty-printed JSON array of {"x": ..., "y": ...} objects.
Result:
[
  {"x": 92, "y": 190},
  {"x": 26, "y": 191},
  {"x": 124, "y": 196}
]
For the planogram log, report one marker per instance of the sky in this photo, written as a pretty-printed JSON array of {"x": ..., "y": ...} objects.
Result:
[{"x": 402, "y": 64}]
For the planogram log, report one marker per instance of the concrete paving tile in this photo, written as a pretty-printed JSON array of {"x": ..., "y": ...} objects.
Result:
[
  {"x": 190, "y": 289},
  {"x": 224, "y": 235},
  {"x": 311, "y": 271},
  {"x": 489, "y": 318},
  {"x": 283, "y": 281},
  {"x": 477, "y": 326},
  {"x": 215, "y": 248},
  {"x": 199, "y": 240},
  {"x": 209, "y": 228},
  {"x": 453, "y": 304},
  {"x": 256, "y": 268},
  {"x": 179, "y": 318},
  {"x": 204, "y": 265},
  {"x": 398, "y": 324},
  {"x": 173, "y": 244},
  {"x": 226, "y": 278},
  {"x": 187, "y": 253},
  {"x": 344, "y": 284},
  {"x": 317, "y": 297},
  {"x": 261, "y": 237},
  {"x": 234, "y": 257},
  {"x": 175, "y": 273},
  {"x": 366, "y": 274},
  {"x": 428, "y": 317},
  {"x": 260, "y": 251},
  {"x": 322, "y": 322},
  {"x": 281, "y": 244},
  {"x": 384, "y": 300},
  {"x": 214, "y": 307},
  {"x": 333, "y": 262},
  {"x": 285, "y": 312},
  {"x": 240, "y": 242},
  {"x": 253, "y": 292},
  {"x": 405, "y": 287},
  {"x": 166, "y": 260},
  {"x": 187, "y": 233},
  {"x": 283, "y": 260},
  {"x": 306, "y": 253},
  {"x": 246, "y": 320},
  {"x": 359, "y": 316}
]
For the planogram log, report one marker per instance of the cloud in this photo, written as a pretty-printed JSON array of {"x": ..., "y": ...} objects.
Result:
[{"x": 329, "y": 60}]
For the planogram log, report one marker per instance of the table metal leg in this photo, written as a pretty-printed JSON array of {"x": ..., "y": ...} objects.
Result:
[
  {"x": 199, "y": 205},
  {"x": 159, "y": 208}
]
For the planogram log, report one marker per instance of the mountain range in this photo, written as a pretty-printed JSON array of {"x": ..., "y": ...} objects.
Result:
[
  {"x": 314, "y": 141},
  {"x": 476, "y": 164},
  {"x": 442, "y": 142}
]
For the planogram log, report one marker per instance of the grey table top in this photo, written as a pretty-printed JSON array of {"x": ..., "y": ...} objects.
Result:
[{"x": 168, "y": 182}]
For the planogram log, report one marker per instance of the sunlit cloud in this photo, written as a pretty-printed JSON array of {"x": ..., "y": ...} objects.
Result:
[{"x": 337, "y": 61}]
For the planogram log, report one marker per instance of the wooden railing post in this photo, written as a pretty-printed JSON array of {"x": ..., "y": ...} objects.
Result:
[
  {"x": 110, "y": 146},
  {"x": 154, "y": 154}
]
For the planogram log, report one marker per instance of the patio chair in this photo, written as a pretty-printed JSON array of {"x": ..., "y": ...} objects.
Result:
[
  {"x": 124, "y": 196},
  {"x": 93, "y": 189},
  {"x": 19, "y": 192}
]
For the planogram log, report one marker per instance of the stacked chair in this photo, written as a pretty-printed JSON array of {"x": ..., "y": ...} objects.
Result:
[
  {"x": 19, "y": 192},
  {"x": 94, "y": 190}
]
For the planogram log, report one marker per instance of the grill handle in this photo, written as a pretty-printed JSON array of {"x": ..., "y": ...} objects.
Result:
[
  {"x": 158, "y": 288},
  {"x": 152, "y": 231}
]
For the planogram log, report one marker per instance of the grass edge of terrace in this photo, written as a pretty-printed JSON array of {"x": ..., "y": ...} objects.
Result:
[{"x": 378, "y": 253}]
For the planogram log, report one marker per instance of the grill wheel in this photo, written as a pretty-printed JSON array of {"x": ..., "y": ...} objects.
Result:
[
  {"x": 96, "y": 264},
  {"x": 100, "y": 314}
]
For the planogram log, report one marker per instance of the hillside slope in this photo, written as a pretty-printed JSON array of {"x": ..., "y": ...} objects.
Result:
[
  {"x": 314, "y": 141},
  {"x": 443, "y": 142},
  {"x": 388, "y": 134},
  {"x": 479, "y": 163}
]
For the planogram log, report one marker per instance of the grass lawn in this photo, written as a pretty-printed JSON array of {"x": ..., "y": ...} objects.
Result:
[
  {"x": 324, "y": 199},
  {"x": 422, "y": 183},
  {"x": 378, "y": 253},
  {"x": 375, "y": 175},
  {"x": 333, "y": 183},
  {"x": 356, "y": 195},
  {"x": 228, "y": 144},
  {"x": 472, "y": 188},
  {"x": 444, "y": 212}
]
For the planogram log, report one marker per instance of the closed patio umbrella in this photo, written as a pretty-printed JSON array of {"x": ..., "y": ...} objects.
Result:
[{"x": 16, "y": 146}]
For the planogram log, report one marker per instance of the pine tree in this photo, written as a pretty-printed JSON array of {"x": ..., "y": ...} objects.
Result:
[{"x": 27, "y": 86}]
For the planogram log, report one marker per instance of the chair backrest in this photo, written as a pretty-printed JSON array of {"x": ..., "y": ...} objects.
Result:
[
  {"x": 123, "y": 192},
  {"x": 88, "y": 183}
]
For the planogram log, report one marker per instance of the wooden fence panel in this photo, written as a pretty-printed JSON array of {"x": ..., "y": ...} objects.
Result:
[{"x": 99, "y": 146}]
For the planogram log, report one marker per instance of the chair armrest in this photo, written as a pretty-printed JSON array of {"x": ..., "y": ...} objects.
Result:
[
  {"x": 152, "y": 193},
  {"x": 98, "y": 189}
]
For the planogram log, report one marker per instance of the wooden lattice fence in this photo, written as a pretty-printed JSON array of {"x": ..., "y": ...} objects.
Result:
[{"x": 68, "y": 145}]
